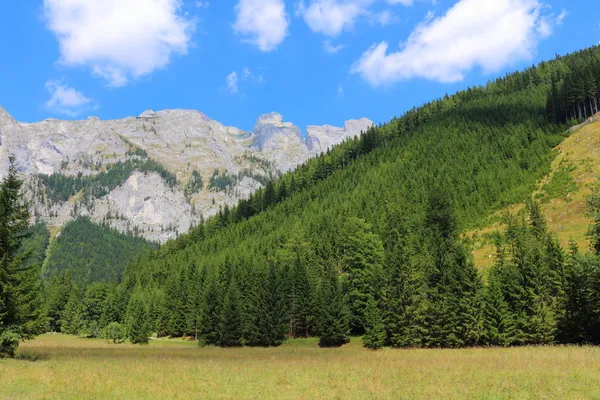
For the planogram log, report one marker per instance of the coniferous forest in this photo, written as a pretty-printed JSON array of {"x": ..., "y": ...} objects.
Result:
[{"x": 366, "y": 239}]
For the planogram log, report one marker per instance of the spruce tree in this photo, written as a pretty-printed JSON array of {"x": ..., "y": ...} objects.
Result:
[
  {"x": 20, "y": 287},
  {"x": 231, "y": 320},
  {"x": 362, "y": 259},
  {"x": 499, "y": 327},
  {"x": 210, "y": 313},
  {"x": 333, "y": 322},
  {"x": 137, "y": 321},
  {"x": 375, "y": 336}
]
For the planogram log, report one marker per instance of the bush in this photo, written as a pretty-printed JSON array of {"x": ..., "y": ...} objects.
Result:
[
  {"x": 115, "y": 332},
  {"x": 9, "y": 341}
]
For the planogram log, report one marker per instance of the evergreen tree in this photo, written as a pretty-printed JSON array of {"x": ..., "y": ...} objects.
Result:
[
  {"x": 231, "y": 320},
  {"x": 499, "y": 327},
  {"x": 375, "y": 336},
  {"x": 333, "y": 323},
  {"x": 20, "y": 288},
  {"x": 70, "y": 319},
  {"x": 210, "y": 314},
  {"x": 136, "y": 320},
  {"x": 362, "y": 258}
]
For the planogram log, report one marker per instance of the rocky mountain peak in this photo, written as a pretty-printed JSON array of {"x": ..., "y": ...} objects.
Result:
[{"x": 162, "y": 169}]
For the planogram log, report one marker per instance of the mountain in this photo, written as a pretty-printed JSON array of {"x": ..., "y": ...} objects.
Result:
[
  {"x": 156, "y": 174},
  {"x": 368, "y": 239}
]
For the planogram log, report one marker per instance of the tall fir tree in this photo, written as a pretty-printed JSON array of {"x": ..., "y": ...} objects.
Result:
[
  {"x": 333, "y": 320},
  {"x": 375, "y": 336},
  {"x": 20, "y": 287}
]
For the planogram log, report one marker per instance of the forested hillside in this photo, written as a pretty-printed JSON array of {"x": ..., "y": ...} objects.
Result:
[
  {"x": 91, "y": 252},
  {"x": 366, "y": 240}
]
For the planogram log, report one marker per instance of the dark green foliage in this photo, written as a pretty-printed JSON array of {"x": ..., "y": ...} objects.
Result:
[
  {"x": 361, "y": 254},
  {"x": 58, "y": 291},
  {"x": 136, "y": 320},
  {"x": 59, "y": 188},
  {"x": 576, "y": 95},
  {"x": 92, "y": 253},
  {"x": 333, "y": 321},
  {"x": 498, "y": 323},
  {"x": 219, "y": 181},
  {"x": 230, "y": 329},
  {"x": 20, "y": 287},
  {"x": 114, "y": 332},
  {"x": 210, "y": 313},
  {"x": 195, "y": 184},
  {"x": 375, "y": 336}
]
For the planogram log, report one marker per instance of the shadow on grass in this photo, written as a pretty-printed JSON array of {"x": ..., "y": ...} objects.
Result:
[{"x": 31, "y": 356}]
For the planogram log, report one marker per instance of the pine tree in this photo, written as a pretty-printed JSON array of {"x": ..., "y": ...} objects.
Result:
[
  {"x": 375, "y": 336},
  {"x": 231, "y": 320},
  {"x": 362, "y": 260},
  {"x": 499, "y": 327},
  {"x": 137, "y": 321},
  {"x": 70, "y": 319},
  {"x": 333, "y": 322},
  {"x": 275, "y": 323},
  {"x": 20, "y": 288},
  {"x": 210, "y": 314},
  {"x": 403, "y": 288}
]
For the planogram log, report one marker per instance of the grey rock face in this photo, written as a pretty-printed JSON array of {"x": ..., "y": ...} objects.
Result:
[{"x": 182, "y": 141}]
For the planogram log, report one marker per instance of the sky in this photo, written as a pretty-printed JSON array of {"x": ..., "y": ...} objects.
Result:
[{"x": 314, "y": 61}]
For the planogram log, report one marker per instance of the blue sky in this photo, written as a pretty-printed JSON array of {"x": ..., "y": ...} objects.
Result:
[{"x": 314, "y": 61}]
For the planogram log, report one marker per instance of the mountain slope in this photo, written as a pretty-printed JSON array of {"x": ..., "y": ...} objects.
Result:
[
  {"x": 563, "y": 194},
  {"x": 179, "y": 154},
  {"x": 92, "y": 253},
  {"x": 366, "y": 239}
]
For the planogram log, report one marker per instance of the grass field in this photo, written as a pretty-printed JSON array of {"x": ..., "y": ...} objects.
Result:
[{"x": 74, "y": 368}]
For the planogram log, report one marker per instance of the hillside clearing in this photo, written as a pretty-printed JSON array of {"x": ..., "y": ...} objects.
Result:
[
  {"x": 562, "y": 194},
  {"x": 85, "y": 369}
]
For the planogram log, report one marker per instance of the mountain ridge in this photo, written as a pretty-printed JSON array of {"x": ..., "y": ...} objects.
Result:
[{"x": 230, "y": 164}]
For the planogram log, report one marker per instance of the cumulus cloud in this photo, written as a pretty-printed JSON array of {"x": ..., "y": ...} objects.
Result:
[
  {"x": 119, "y": 39},
  {"x": 332, "y": 17},
  {"x": 66, "y": 100},
  {"x": 264, "y": 23},
  {"x": 473, "y": 33}
]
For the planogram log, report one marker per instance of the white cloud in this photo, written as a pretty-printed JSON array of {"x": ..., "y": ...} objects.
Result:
[
  {"x": 232, "y": 82},
  {"x": 234, "y": 79},
  {"x": 332, "y": 17},
  {"x": 264, "y": 23},
  {"x": 332, "y": 48},
  {"x": 119, "y": 39},
  {"x": 561, "y": 17},
  {"x": 473, "y": 33},
  {"x": 66, "y": 100},
  {"x": 202, "y": 4}
]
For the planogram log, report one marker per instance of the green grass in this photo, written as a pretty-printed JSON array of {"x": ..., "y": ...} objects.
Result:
[
  {"x": 563, "y": 195},
  {"x": 93, "y": 369}
]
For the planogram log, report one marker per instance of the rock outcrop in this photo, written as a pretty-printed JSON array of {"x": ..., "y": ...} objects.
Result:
[{"x": 182, "y": 142}]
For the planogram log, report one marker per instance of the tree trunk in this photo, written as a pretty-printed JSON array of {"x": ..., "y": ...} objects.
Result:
[{"x": 579, "y": 109}]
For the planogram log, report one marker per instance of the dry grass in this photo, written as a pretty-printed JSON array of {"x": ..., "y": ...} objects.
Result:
[
  {"x": 566, "y": 217},
  {"x": 92, "y": 369}
]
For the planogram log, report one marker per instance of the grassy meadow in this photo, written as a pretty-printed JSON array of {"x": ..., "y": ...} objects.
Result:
[
  {"x": 74, "y": 368},
  {"x": 562, "y": 194}
]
